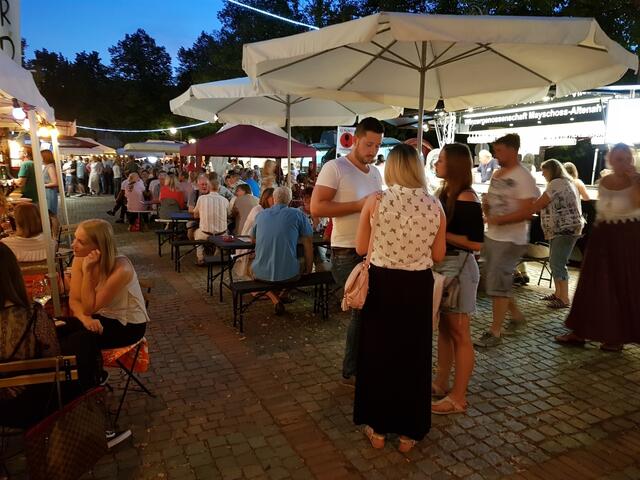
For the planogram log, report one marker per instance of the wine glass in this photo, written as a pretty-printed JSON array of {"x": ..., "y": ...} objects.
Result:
[{"x": 41, "y": 290}]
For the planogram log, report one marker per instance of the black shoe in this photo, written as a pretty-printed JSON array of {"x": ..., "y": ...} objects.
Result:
[
  {"x": 104, "y": 378},
  {"x": 111, "y": 212},
  {"x": 279, "y": 308}
]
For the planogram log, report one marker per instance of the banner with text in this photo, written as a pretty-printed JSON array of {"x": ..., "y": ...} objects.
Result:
[{"x": 10, "y": 39}]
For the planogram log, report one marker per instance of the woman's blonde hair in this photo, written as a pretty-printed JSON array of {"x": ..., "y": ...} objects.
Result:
[
  {"x": 403, "y": 167},
  {"x": 266, "y": 167},
  {"x": 555, "y": 169},
  {"x": 100, "y": 233},
  {"x": 171, "y": 182},
  {"x": 571, "y": 169}
]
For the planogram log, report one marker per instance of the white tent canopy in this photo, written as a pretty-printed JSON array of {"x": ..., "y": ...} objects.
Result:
[
  {"x": 98, "y": 149},
  {"x": 237, "y": 101},
  {"x": 153, "y": 147},
  {"x": 414, "y": 60},
  {"x": 16, "y": 82}
]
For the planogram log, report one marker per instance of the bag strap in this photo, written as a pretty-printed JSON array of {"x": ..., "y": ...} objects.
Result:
[
  {"x": 376, "y": 209},
  {"x": 30, "y": 326},
  {"x": 463, "y": 264}
]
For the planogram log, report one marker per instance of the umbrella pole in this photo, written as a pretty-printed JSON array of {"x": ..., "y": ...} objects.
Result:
[
  {"x": 44, "y": 212},
  {"x": 423, "y": 74},
  {"x": 289, "y": 140},
  {"x": 62, "y": 194}
]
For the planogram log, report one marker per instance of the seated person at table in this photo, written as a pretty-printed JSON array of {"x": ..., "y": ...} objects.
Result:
[
  {"x": 276, "y": 234},
  {"x": 29, "y": 243},
  {"x": 105, "y": 295},
  {"x": 156, "y": 184},
  {"x": 170, "y": 190},
  {"x": 212, "y": 210},
  {"x": 22, "y": 406},
  {"x": 241, "y": 206},
  {"x": 224, "y": 191},
  {"x": 202, "y": 188}
]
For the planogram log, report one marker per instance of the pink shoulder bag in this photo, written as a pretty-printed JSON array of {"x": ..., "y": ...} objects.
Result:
[{"x": 356, "y": 287}]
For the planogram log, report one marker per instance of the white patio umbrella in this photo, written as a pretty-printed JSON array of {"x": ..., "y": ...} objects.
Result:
[
  {"x": 17, "y": 83},
  {"x": 238, "y": 101},
  {"x": 414, "y": 60}
]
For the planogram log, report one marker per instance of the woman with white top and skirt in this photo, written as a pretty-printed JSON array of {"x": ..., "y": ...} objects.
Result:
[
  {"x": 394, "y": 358},
  {"x": 606, "y": 305}
]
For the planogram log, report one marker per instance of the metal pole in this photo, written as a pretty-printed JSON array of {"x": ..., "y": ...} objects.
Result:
[
  {"x": 423, "y": 74},
  {"x": 58, "y": 162},
  {"x": 44, "y": 212},
  {"x": 594, "y": 166},
  {"x": 289, "y": 140}
]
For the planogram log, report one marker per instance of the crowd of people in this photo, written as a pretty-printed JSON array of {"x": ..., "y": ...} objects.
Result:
[{"x": 413, "y": 236}]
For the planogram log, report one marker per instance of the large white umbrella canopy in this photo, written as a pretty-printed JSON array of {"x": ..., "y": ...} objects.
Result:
[
  {"x": 237, "y": 101},
  {"x": 415, "y": 60}
]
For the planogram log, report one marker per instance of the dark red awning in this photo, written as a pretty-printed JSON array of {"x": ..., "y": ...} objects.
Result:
[{"x": 247, "y": 141}]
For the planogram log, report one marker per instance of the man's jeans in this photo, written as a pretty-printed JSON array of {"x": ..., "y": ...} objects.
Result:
[{"x": 343, "y": 262}]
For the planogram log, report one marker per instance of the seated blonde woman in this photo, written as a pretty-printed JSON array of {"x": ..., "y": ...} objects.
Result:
[{"x": 105, "y": 295}]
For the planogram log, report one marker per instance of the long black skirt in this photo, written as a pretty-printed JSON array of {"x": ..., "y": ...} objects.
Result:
[
  {"x": 394, "y": 356},
  {"x": 606, "y": 305}
]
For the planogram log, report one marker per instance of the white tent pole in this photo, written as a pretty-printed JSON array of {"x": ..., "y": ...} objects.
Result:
[
  {"x": 423, "y": 74},
  {"x": 61, "y": 190},
  {"x": 44, "y": 212},
  {"x": 289, "y": 139},
  {"x": 594, "y": 166}
]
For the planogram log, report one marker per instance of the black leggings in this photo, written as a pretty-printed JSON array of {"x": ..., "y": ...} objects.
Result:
[{"x": 76, "y": 340}]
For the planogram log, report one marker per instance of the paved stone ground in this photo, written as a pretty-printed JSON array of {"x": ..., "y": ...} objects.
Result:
[{"x": 270, "y": 405}]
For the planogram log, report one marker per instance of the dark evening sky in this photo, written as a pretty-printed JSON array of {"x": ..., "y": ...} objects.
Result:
[{"x": 70, "y": 26}]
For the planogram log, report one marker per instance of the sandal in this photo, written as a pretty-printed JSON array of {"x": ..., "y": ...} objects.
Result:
[
  {"x": 570, "y": 339},
  {"x": 406, "y": 444},
  {"x": 447, "y": 406},
  {"x": 437, "y": 392},
  {"x": 376, "y": 439},
  {"x": 556, "y": 303}
]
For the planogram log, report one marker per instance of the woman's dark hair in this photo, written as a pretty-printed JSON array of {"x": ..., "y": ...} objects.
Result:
[
  {"x": 458, "y": 177},
  {"x": 267, "y": 193},
  {"x": 12, "y": 287}
]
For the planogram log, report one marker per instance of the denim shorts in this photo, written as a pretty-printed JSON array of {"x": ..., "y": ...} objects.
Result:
[
  {"x": 501, "y": 259},
  {"x": 469, "y": 278}
]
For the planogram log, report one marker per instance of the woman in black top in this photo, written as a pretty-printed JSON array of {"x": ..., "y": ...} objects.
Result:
[{"x": 465, "y": 234}]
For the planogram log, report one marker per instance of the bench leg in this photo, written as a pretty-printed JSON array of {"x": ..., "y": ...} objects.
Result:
[
  {"x": 159, "y": 245},
  {"x": 235, "y": 309},
  {"x": 222, "y": 267},
  {"x": 241, "y": 313}
]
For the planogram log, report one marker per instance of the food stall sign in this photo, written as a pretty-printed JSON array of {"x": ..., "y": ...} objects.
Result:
[{"x": 10, "y": 40}]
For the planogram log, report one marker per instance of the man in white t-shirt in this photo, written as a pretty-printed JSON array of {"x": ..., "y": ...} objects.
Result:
[
  {"x": 340, "y": 192},
  {"x": 512, "y": 188}
]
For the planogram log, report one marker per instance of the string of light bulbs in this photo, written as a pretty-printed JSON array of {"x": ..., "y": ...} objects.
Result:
[
  {"x": 272, "y": 15},
  {"x": 171, "y": 130}
]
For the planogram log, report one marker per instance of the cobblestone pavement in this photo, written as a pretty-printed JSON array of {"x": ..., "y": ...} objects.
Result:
[{"x": 270, "y": 405}]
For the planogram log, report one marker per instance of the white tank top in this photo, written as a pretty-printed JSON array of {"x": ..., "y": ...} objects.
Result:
[
  {"x": 127, "y": 306},
  {"x": 615, "y": 206},
  {"x": 408, "y": 221}
]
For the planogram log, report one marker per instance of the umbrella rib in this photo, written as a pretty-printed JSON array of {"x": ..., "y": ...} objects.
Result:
[
  {"x": 409, "y": 64},
  {"x": 488, "y": 47},
  {"x": 366, "y": 65},
  {"x": 300, "y": 60},
  {"x": 436, "y": 58},
  {"x": 300, "y": 100},
  {"x": 275, "y": 99},
  {"x": 379, "y": 55},
  {"x": 228, "y": 106},
  {"x": 347, "y": 108},
  {"x": 457, "y": 58}
]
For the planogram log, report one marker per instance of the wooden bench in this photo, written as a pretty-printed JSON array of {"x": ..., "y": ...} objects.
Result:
[
  {"x": 319, "y": 280},
  {"x": 37, "y": 371}
]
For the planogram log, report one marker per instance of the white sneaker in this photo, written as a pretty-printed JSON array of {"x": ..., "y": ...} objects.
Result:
[{"x": 115, "y": 438}]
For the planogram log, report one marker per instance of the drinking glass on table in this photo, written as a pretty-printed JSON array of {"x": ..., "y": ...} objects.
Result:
[{"x": 41, "y": 290}]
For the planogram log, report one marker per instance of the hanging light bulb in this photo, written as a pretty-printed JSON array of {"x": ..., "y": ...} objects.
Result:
[
  {"x": 17, "y": 111},
  {"x": 173, "y": 130}
]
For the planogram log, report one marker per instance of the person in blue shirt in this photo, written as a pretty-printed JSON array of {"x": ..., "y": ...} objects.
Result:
[
  {"x": 255, "y": 186},
  {"x": 276, "y": 233}
]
